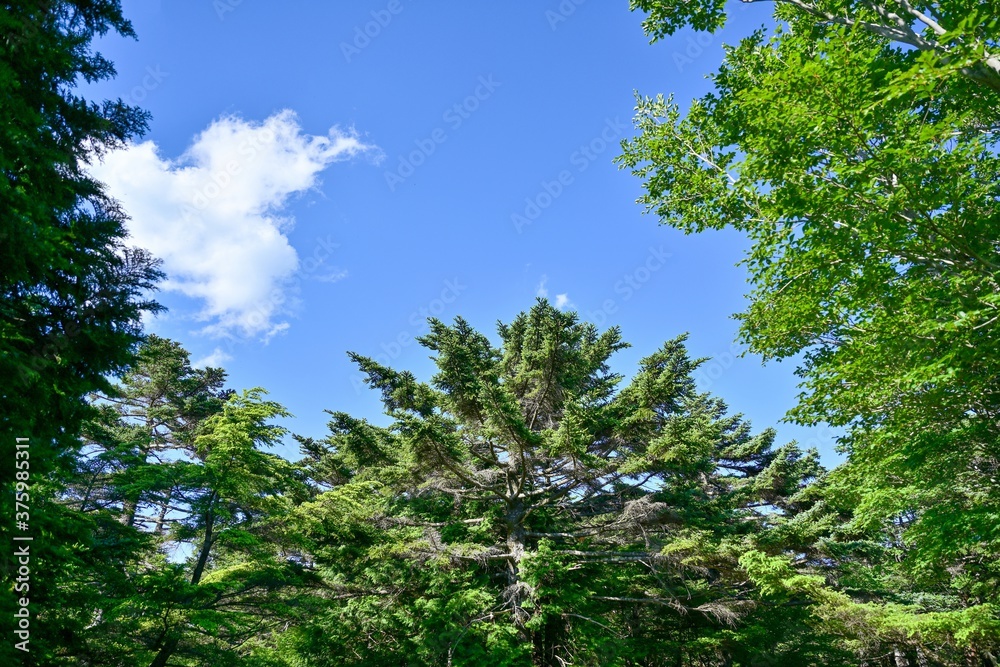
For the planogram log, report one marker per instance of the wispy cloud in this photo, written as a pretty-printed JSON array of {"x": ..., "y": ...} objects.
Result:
[
  {"x": 214, "y": 214},
  {"x": 332, "y": 277},
  {"x": 542, "y": 291},
  {"x": 214, "y": 360}
]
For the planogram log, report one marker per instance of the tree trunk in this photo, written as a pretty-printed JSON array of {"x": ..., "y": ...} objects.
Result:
[
  {"x": 515, "y": 547},
  {"x": 129, "y": 508},
  {"x": 170, "y": 645},
  {"x": 90, "y": 488},
  {"x": 206, "y": 543},
  {"x": 165, "y": 652},
  {"x": 163, "y": 514}
]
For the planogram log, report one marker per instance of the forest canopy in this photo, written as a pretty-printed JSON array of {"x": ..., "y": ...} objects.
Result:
[{"x": 527, "y": 500}]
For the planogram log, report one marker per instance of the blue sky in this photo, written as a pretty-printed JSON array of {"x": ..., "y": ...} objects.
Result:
[{"x": 319, "y": 177}]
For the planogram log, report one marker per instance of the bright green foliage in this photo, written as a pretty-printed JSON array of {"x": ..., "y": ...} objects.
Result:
[
  {"x": 155, "y": 411},
  {"x": 235, "y": 499},
  {"x": 184, "y": 556},
  {"x": 880, "y": 602},
  {"x": 526, "y": 506},
  {"x": 866, "y": 175},
  {"x": 955, "y": 36},
  {"x": 119, "y": 494},
  {"x": 523, "y": 509}
]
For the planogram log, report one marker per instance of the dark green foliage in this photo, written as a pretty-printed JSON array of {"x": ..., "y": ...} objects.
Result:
[
  {"x": 526, "y": 506},
  {"x": 71, "y": 290}
]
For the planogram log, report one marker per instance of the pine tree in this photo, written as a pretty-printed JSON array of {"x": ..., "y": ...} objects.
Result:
[
  {"x": 186, "y": 556},
  {"x": 148, "y": 420}
]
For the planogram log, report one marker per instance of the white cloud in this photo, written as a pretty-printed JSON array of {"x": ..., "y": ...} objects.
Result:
[
  {"x": 216, "y": 359},
  {"x": 542, "y": 291},
  {"x": 213, "y": 215}
]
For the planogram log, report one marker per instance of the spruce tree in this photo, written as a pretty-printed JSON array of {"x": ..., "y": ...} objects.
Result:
[{"x": 522, "y": 508}]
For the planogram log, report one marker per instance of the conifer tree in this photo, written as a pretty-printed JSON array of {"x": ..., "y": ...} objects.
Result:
[
  {"x": 521, "y": 508},
  {"x": 72, "y": 291}
]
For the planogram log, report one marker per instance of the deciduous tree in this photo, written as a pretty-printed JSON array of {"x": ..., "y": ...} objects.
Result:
[{"x": 855, "y": 145}]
